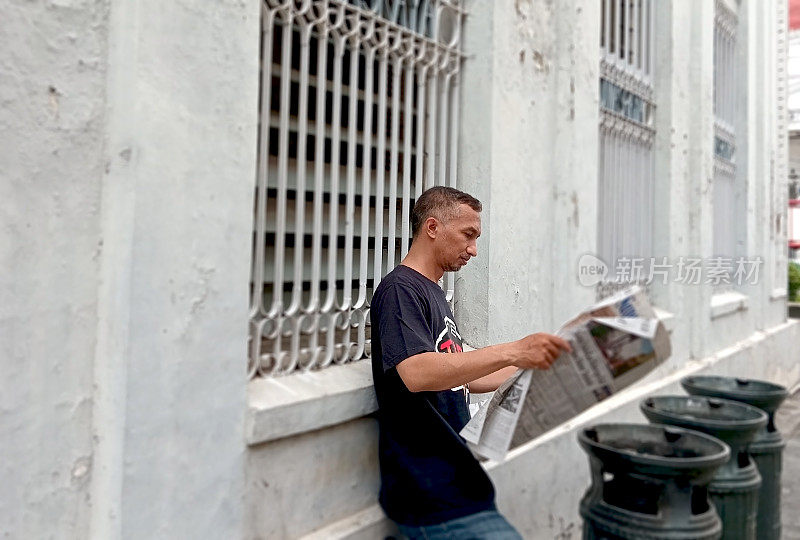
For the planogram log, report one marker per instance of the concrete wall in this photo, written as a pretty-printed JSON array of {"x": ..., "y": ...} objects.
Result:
[
  {"x": 128, "y": 181},
  {"x": 53, "y": 94},
  {"x": 532, "y": 70},
  {"x": 528, "y": 150},
  {"x": 297, "y": 484},
  {"x": 127, "y": 185},
  {"x": 180, "y": 150}
]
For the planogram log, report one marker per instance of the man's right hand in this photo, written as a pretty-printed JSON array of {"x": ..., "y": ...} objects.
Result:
[{"x": 537, "y": 351}]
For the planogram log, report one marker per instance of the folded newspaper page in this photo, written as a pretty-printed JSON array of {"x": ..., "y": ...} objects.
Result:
[{"x": 614, "y": 343}]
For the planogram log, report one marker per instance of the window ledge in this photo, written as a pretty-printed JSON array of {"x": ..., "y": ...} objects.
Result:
[
  {"x": 279, "y": 407},
  {"x": 778, "y": 294},
  {"x": 728, "y": 302},
  {"x": 284, "y": 406}
]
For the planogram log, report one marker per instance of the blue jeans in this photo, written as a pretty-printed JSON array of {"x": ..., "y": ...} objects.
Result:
[{"x": 486, "y": 525}]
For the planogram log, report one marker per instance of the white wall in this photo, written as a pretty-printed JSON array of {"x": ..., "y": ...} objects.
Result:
[
  {"x": 128, "y": 182},
  {"x": 529, "y": 151},
  {"x": 297, "y": 484},
  {"x": 703, "y": 323},
  {"x": 128, "y": 185},
  {"x": 169, "y": 370},
  {"x": 51, "y": 165}
]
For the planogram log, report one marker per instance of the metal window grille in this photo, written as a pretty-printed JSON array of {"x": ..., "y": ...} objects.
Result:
[
  {"x": 725, "y": 99},
  {"x": 626, "y": 162},
  {"x": 358, "y": 113}
]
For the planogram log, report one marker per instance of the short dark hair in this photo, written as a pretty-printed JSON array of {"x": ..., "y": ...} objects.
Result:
[{"x": 440, "y": 202}]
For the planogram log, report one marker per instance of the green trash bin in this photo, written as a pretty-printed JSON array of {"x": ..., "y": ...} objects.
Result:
[
  {"x": 767, "y": 446},
  {"x": 734, "y": 489},
  {"x": 650, "y": 482}
]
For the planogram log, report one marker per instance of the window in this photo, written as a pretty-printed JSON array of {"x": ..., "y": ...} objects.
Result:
[
  {"x": 626, "y": 164},
  {"x": 727, "y": 208},
  {"x": 358, "y": 114}
]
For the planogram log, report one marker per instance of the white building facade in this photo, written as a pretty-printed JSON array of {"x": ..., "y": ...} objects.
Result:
[{"x": 200, "y": 199}]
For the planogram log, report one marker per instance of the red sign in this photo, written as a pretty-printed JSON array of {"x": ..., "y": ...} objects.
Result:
[{"x": 794, "y": 14}]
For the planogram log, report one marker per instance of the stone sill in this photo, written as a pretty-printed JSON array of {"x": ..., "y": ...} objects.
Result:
[
  {"x": 284, "y": 406},
  {"x": 728, "y": 302},
  {"x": 279, "y": 407},
  {"x": 779, "y": 294}
]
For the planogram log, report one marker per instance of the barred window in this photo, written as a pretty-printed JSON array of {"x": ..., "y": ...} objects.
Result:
[
  {"x": 358, "y": 114},
  {"x": 626, "y": 164},
  {"x": 726, "y": 206}
]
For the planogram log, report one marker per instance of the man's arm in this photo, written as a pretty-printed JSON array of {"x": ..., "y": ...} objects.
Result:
[
  {"x": 431, "y": 371},
  {"x": 492, "y": 381}
]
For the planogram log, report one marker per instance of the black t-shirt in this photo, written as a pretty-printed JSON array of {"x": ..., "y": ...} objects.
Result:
[{"x": 428, "y": 475}]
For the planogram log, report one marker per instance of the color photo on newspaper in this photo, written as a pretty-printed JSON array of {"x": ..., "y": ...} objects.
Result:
[{"x": 622, "y": 351}]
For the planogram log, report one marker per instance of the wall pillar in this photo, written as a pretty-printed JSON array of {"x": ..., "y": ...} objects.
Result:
[
  {"x": 172, "y": 319},
  {"x": 530, "y": 85}
]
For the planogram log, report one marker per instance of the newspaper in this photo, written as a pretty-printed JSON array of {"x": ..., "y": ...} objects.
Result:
[{"x": 614, "y": 343}]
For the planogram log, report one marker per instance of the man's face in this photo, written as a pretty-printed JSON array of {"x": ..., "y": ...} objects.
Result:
[{"x": 457, "y": 242}]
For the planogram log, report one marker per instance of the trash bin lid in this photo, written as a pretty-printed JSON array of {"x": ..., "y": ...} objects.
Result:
[
  {"x": 762, "y": 394},
  {"x": 731, "y": 421},
  {"x": 656, "y": 449}
]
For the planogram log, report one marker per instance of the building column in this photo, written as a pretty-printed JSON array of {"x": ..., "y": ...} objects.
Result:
[
  {"x": 530, "y": 89},
  {"x": 170, "y": 364}
]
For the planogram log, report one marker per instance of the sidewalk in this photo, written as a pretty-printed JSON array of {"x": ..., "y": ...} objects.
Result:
[{"x": 788, "y": 421}]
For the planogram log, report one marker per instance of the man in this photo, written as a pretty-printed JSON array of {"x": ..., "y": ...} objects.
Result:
[{"x": 431, "y": 484}]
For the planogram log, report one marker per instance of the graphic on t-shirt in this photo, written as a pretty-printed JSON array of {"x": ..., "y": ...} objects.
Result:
[{"x": 449, "y": 340}]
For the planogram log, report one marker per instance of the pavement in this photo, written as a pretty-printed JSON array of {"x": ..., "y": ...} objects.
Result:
[{"x": 787, "y": 419}]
